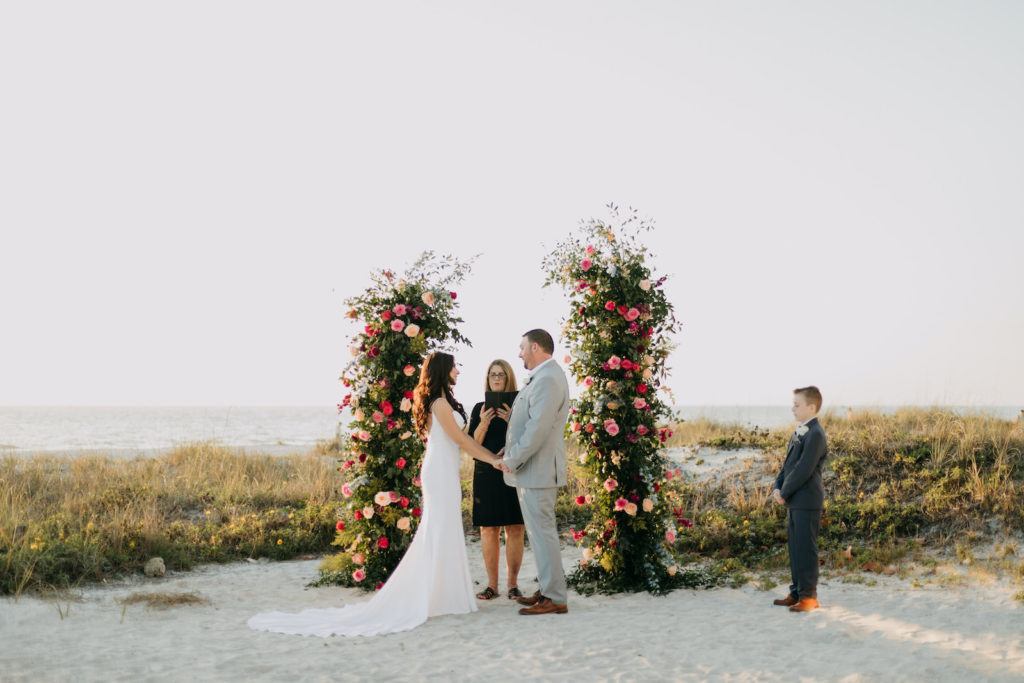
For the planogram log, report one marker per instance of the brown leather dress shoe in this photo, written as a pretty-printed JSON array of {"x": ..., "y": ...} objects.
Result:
[
  {"x": 805, "y": 605},
  {"x": 529, "y": 600},
  {"x": 787, "y": 601},
  {"x": 545, "y": 606}
]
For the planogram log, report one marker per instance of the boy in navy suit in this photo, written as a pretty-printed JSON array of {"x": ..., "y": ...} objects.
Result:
[{"x": 799, "y": 488}]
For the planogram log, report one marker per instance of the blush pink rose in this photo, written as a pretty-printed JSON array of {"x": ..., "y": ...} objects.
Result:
[
  {"x": 409, "y": 371},
  {"x": 399, "y": 309},
  {"x": 358, "y": 575},
  {"x": 611, "y": 427},
  {"x": 585, "y": 264},
  {"x": 632, "y": 314},
  {"x": 610, "y": 484}
]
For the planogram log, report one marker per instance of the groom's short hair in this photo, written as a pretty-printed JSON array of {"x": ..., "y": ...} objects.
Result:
[
  {"x": 811, "y": 394},
  {"x": 542, "y": 339}
]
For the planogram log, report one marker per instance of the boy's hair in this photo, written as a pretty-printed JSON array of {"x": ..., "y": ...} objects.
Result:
[
  {"x": 542, "y": 339},
  {"x": 811, "y": 394}
]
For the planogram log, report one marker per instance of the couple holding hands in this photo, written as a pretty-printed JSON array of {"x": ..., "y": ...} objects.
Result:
[{"x": 433, "y": 577}]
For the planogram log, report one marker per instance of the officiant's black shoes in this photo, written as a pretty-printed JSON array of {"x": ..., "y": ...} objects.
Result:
[
  {"x": 545, "y": 606},
  {"x": 530, "y": 600},
  {"x": 787, "y": 601}
]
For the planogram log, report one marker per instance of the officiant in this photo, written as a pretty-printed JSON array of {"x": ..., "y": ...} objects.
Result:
[{"x": 495, "y": 504}]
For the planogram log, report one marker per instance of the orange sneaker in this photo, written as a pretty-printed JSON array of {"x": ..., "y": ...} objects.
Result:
[{"x": 805, "y": 605}]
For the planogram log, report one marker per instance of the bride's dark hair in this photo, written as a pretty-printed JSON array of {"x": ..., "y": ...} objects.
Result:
[{"x": 435, "y": 382}]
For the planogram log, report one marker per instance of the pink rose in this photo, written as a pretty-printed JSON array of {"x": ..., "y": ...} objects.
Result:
[
  {"x": 642, "y": 429},
  {"x": 640, "y": 404},
  {"x": 609, "y": 306},
  {"x": 585, "y": 264},
  {"x": 358, "y": 575},
  {"x": 399, "y": 309},
  {"x": 416, "y": 482},
  {"x": 611, "y": 427},
  {"x": 386, "y": 315},
  {"x": 632, "y": 314},
  {"x": 378, "y": 416},
  {"x": 400, "y": 463},
  {"x": 670, "y": 536},
  {"x": 590, "y": 250},
  {"x": 397, "y": 325},
  {"x": 588, "y": 381},
  {"x": 346, "y": 490},
  {"x": 621, "y": 503},
  {"x": 610, "y": 484},
  {"x": 409, "y": 371}
]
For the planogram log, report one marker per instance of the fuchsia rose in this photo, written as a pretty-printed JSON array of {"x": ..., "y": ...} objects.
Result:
[
  {"x": 415, "y": 512},
  {"x": 611, "y": 427},
  {"x": 632, "y": 314},
  {"x": 609, "y": 306},
  {"x": 408, "y": 371},
  {"x": 382, "y": 543},
  {"x": 577, "y": 535},
  {"x": 412, "y": 330},
  {"x": 403, "y": 501},
  {"x": 397, "y": 325},
  {"x": 346, "y": 489},
  {"x": 453, "y": 295},
  {"x": 400, "y": 463},
  {"x": 585, "y": 264},
  {"x": 621, "y": 503},
  {"x": 392, "y": 496},
  {"x": 358, "y": 575},
  {"x": 610, "y": 484},
  {"x": 399, "y": 309},
  {"x": 627, "y": 364}
]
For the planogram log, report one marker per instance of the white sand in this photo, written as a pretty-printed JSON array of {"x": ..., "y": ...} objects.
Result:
[{"x": 890, "y": 631}]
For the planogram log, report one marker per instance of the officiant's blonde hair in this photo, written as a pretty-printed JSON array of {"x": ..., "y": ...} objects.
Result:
[{"x": 510, "y": 377}]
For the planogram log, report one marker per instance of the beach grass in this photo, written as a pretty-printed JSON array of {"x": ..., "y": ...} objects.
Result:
[
  {"x": 899, "y": 488},
  {"x": 68, "y": 520}
]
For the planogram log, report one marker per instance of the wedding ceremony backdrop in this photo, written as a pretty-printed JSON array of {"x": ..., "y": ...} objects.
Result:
[{"x": 618, "y": 330}]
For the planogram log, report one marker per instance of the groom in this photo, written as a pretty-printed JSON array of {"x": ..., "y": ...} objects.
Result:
[{"x": 534, "y": 462}]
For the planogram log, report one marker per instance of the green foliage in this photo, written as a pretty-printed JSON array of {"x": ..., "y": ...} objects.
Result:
[
  {"x": 619, "y": 333},
  {"x": 403, "y": 320}
]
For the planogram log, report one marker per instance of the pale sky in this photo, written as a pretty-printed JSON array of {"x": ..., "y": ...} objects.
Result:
[{"x": 188, "y": 190}]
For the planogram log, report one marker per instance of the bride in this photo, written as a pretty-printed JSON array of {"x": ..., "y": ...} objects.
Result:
[{"x": 433, "y": 577}]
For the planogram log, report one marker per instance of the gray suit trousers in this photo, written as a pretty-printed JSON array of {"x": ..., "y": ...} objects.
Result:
[
  {"x": 802, "y": 528},
  {"x": 538, "y": 507}
]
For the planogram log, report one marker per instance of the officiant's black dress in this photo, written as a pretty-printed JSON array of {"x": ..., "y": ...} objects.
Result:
[{"x": 494, "y": 502}]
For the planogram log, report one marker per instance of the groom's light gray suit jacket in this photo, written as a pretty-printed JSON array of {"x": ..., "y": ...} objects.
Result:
[{"x": 535, "y": 440}]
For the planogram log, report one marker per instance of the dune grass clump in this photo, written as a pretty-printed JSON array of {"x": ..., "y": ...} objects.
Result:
[{"x": 65, "y": 521}]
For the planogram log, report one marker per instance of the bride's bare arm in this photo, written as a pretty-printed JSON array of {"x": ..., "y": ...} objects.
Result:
[{"x": 441, "y": 411}]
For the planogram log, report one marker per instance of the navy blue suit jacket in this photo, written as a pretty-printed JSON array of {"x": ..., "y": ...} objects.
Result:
[{"x": 800, "y": 478}]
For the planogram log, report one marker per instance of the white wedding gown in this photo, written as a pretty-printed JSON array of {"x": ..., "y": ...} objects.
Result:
[{"x": 432, "y": 579}]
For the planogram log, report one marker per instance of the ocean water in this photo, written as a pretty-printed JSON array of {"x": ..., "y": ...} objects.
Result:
[
  {"x": 141, "y": 430},
  {"x": 275, "y": 430}
]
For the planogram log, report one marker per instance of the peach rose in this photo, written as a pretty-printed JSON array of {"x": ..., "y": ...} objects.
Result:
[
  {"x": 403, "y": 523},
  {"x": 412, "y": 330},
  {"x": 428, "y": 298},
  {"x": 368, "y": 512},
  {"x": 358, "y": 558},
  {"x": 631, "y": 509},
  {"x": 648, "y": 504}
]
